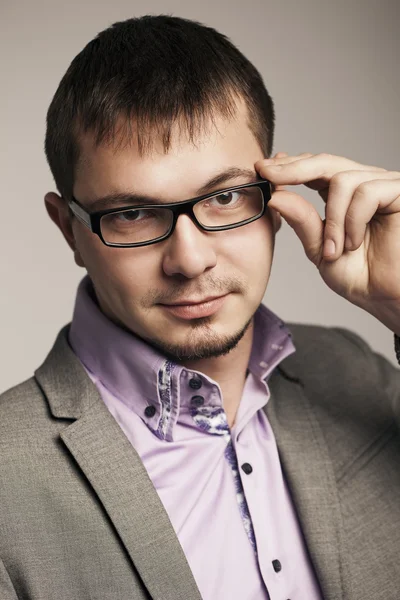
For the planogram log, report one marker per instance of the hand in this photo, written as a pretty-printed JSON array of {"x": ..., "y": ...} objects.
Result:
[{"x": 357, "y": 247}]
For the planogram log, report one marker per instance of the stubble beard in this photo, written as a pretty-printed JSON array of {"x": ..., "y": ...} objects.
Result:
[{"x": 209, "y": 344}]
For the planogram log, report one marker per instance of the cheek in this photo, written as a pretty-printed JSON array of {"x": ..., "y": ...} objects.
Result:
[
  {"x": 119, "y": 271},
  {"x": 252, "y": 246}
]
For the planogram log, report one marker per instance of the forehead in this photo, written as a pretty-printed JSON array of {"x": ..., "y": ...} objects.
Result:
[{"x": 174, "y": 174}]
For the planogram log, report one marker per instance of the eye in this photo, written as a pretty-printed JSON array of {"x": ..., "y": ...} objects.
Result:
[
  {"x": 226, "y": 199},
  {"x": 130, "y": 215}
]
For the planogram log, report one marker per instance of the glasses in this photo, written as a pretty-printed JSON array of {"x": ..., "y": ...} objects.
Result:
[{"x": 145, "y": 224}]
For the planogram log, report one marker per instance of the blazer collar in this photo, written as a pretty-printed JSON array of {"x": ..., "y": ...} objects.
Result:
[
  {"x": 117, "y": 475},
  {"x": 64, "y": 381},
  {"x": 307, "y": 465}
]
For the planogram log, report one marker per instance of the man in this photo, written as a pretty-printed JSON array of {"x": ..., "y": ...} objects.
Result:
[{"x": 180, "y": 441}]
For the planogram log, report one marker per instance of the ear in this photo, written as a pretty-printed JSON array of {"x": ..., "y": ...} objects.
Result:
[{"x": 57, "y": 210}]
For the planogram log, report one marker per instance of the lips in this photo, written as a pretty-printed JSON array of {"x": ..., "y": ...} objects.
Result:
[
  {"x": 190, "y": 309},
  {"x": 191, "y": 302}
]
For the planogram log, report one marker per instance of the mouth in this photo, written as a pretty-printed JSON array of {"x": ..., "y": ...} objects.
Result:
[{"x": 195, "y": 309}]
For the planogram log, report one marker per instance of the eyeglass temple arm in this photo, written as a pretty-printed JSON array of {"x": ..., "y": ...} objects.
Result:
[{"x": 80, "y": 213}]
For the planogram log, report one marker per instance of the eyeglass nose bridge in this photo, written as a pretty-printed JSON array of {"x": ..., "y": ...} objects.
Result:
[{"x": 184, "y": 208}]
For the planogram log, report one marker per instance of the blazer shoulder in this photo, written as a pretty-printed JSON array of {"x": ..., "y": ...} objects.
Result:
[
  {"x": 24, "y": 413},
  {"x": 313, "y": 336},
  {"x": 16, "y": 397},
  {"x": 354, "y": 390},
  {"x": 339, "y": 350}
]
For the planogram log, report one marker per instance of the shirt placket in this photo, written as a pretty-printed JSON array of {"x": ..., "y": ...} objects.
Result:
[{"x": 213, "y": 421}]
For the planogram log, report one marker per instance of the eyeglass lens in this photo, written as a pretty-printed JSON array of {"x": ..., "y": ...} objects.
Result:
[{"x": 146, "y": 224}]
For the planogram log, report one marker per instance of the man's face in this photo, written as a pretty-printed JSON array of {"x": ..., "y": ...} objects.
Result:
[{"x": 136, "y": 286}]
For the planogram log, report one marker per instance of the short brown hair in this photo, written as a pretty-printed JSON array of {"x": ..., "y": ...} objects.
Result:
[{"x": 155, "y": 70}]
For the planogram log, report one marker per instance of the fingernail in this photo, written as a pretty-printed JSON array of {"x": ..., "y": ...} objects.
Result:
[{"x": 329, "y": 248}]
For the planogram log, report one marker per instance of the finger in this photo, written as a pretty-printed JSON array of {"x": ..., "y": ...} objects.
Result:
[
  {"x": 279, "y": 155},
  {"x": 281, "y": 158},
  {"x": 319, "y": 168},
  {"x": 341, "y": 190},
  {"x": 370, "y": 198},
  {"x": 285, "y": 159},
  {"x": 303, "y": 219}
]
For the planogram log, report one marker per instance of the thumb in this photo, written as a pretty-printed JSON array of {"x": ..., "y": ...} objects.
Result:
[
  {"x": 280, "y": 155},
  {"x": 304, "y": 219}
]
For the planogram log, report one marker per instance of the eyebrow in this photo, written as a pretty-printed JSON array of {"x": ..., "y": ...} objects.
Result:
[{"x": 131, "y": 199}]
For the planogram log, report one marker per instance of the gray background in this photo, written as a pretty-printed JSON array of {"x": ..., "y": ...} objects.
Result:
[{"x": 332, "y": 69}]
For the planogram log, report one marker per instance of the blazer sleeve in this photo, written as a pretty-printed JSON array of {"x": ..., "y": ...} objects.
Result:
[
  {"x": 387, "y": 374},
  {"x": 7, "y": 591}
]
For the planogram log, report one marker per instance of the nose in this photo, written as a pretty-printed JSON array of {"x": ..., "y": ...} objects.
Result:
[{"x": 189, "y": 251}]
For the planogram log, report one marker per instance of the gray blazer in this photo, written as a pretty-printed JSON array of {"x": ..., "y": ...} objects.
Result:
[{"x": 80, "y": 518}]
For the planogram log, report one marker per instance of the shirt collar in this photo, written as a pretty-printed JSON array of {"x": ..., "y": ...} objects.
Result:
[
  {"x": 123, "y": 362},
  {"x": 141, "y": 377},
  {"x": 272, "y": 343}
]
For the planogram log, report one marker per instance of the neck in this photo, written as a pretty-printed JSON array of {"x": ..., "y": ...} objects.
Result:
[{"x": 229, "y": 371}]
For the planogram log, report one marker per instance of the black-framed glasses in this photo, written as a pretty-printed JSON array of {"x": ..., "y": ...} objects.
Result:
[{"x": 145, "y": 224}]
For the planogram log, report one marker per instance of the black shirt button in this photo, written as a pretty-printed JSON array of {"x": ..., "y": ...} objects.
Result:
[
  {"x": 277, "y": 565},
  {"x": 197, "y": 401},
  {"x": 195, "y": 383},
  {"x": 247, "y": 468},
  {"x": 150, "y": 411}
]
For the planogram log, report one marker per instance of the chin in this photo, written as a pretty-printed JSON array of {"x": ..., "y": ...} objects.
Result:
[{"x": 201, "y": 344}]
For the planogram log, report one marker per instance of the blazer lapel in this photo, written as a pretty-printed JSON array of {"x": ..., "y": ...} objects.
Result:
[
  {"x": 117, "y": 475},
  {"x": 309, "y": 473}
]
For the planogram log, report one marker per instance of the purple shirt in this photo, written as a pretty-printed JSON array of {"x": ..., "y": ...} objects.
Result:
[{"x": 222, "y": 488}]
